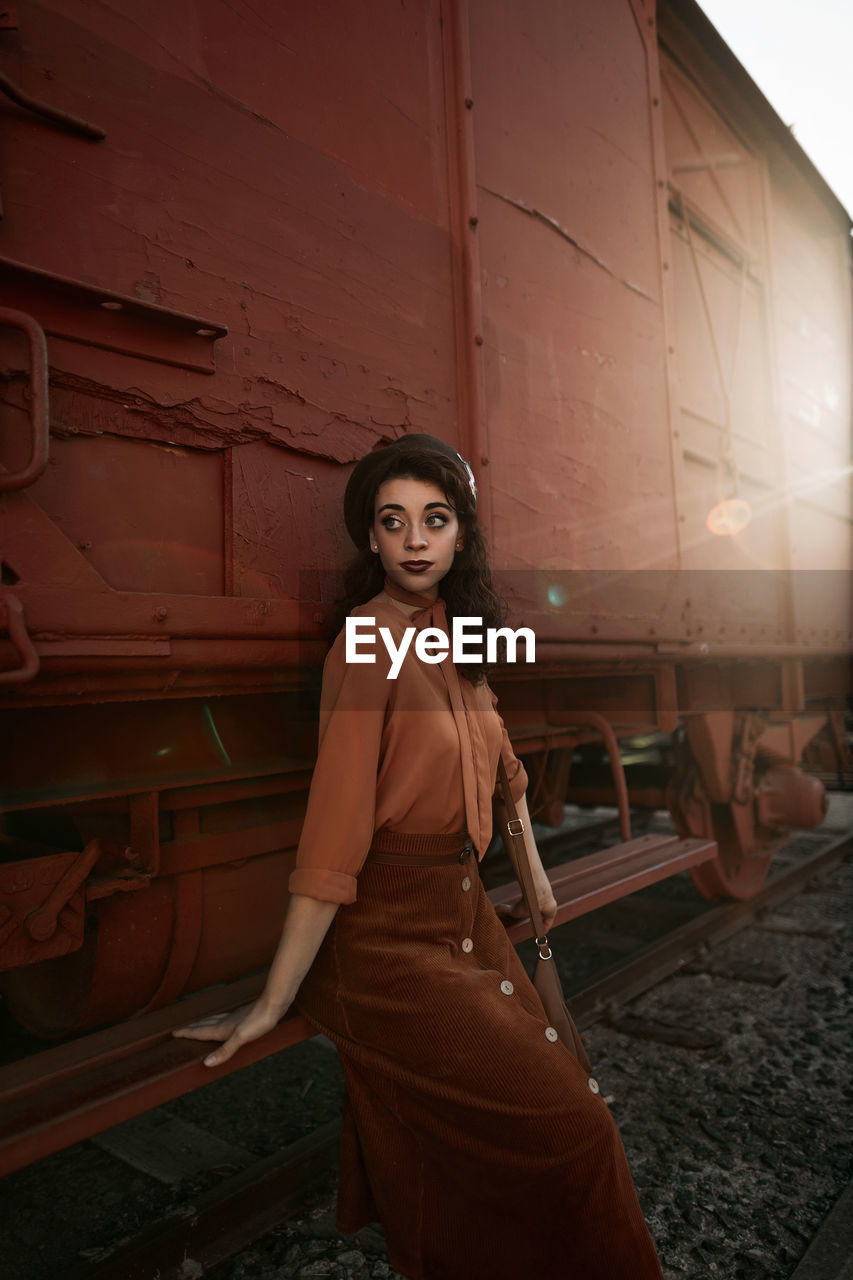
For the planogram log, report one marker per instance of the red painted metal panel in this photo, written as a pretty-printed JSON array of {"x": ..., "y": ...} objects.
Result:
[
  {"x": 493, "y": 221},
  {"x": 571, "y": 271}
]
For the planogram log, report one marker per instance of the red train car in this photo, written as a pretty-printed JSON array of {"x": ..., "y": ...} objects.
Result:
[{"x": 242, "y": 245}]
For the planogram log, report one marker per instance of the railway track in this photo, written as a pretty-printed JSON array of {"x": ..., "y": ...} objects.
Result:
[{"x": 243, "y": 1206}]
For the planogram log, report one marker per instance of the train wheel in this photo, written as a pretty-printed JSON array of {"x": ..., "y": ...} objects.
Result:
[
  {"x": 735, "y": 872},
  {"x": 745, "y": 849}
]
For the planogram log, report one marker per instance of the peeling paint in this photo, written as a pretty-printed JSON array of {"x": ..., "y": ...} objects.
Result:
[{"x": 83, "y": 407}]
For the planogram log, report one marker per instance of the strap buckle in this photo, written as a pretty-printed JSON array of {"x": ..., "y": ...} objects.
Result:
[{"x": 515, "y": 827}]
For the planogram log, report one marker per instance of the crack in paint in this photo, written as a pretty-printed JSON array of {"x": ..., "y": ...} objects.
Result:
[
  {"x": 82, "y": 408},
  {"x": 567, "y": 236}
]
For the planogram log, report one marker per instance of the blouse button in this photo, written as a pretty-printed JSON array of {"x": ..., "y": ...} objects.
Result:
[
  {"x": 466, "y": 883},
  {"x": 593, "y": 1084},
  {"x": 467, "y": 945},
  {"x": 551, "y": 1034},
  {"x": 507, "y": 988}
]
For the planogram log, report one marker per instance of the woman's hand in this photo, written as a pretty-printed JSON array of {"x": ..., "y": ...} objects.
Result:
[
  {"x": 236, "y": 1028},
  {"x": 518, "y": 911}
]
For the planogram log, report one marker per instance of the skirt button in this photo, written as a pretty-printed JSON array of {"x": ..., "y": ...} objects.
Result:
[
  {"x": 466, "y": 884},
  {"x": 507, "y": 988},
  {"x": 593, "y": 1084},
  {"x": 467, "y": 945},
  {"x": 551, "y": 1034}
]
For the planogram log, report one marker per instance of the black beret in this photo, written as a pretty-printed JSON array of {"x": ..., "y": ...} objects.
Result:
[{"x": 368, "y": 471}]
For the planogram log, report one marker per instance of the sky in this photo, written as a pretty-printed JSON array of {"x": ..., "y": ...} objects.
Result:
[{"x": 799, "y": 53}]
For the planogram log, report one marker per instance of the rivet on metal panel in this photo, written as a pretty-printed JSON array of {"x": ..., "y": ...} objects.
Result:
[{"x": 160, "y": 613}]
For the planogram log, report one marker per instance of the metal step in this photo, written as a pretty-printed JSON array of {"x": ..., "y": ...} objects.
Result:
[{"x": 590, "y": 882}]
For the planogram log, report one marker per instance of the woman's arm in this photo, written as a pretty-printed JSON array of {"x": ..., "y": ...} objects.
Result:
[
  {"x": 305, "y": 926},
  {"x": 544, "y": 892}
]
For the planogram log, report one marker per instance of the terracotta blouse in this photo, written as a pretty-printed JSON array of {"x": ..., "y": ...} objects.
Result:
[{"x": 418, "y": 754}]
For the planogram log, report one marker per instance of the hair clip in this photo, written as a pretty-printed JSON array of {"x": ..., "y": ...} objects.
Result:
[{"x": 472, "y": 484}]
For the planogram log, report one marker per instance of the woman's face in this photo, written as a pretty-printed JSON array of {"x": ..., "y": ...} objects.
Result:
[{"x": 416, "y": 532}]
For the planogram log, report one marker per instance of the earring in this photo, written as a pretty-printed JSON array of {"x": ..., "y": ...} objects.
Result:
[{"x": 459, "y": 546}]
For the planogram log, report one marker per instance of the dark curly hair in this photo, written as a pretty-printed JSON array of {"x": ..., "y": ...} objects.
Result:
[{"x": 467, "y": 588}]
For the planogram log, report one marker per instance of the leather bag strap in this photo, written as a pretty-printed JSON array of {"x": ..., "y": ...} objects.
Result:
[
  {"x": 521, "y": 863},
  {"x": 545, "y": 979}
]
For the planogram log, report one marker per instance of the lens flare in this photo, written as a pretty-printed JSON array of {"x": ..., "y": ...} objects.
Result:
[
  {"x": 729, "y": 517},
  {"x": 556, "y": 595}
]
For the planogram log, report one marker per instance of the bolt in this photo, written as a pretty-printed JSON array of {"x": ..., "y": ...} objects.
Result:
[{"x": 160, "y": 613}]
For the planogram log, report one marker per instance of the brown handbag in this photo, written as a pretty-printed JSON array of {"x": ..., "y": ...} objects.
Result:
[{"x": 546, "y": 980}]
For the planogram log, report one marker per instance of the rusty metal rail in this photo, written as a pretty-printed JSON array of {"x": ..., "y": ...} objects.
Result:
[
  {"x": 652, "y": 964},
  {"x": 228, "y": 1218}
]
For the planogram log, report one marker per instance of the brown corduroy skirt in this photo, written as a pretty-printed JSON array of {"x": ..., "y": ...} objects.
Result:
[{"x": 471, "y": 1136}]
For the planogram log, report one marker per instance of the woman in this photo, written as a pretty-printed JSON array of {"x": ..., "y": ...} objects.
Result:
[{"x": 472, "y": 1135}]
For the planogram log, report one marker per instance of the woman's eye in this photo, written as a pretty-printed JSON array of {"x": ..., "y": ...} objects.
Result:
[
  {"x": 436, "y": 521},
  {"x": 391, "y": 522}
]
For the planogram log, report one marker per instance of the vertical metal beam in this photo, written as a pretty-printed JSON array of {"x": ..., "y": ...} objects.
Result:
[
  {"x": 145, "y": 831},
  {"x": 467, "y": 298},
  {"x": 648, "y": 29}
]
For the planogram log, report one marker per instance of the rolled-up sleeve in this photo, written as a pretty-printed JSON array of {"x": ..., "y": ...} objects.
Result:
[
  {"x": 339, "y": 818},
  {"x": 515, "y": 770}
]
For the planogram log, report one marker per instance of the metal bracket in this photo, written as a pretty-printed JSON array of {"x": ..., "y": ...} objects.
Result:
[
  {"x": 24, "y": 646},
  {"x": 39, "y": 409}
]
